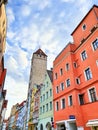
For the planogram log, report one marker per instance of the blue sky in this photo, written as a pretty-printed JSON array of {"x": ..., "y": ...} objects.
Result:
[{"x": 32, "y": 24}]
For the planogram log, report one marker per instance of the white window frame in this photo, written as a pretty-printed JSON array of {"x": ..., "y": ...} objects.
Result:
[
  {"x": 89, "y": 93},
  {"x": 67, "y": 68},
  {"x": 61, "y": 71},
  {"x": 56, "y": 106},
  {"x": 61, "y": 86},
  {"x": 69, "y": 81},
  {"x": 78, "y": 80},
  {"x": 97, "y": 63},
  {"x": 51, "y": 105},
  {"x": 93, "y": 42},
  {"x": 55, "y": 75},
  {"x": 69, "y": 104},
  {"x": 82, "y": 57},
  {"x": 85, "y": 74},
  {"x": 62, "y": 103},
  {"x": 47, "y": 107},
  {"x": 56, "y": 89}
]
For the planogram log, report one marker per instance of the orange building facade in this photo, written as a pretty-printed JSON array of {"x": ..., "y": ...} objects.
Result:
[{"x": 75, "y": 78}]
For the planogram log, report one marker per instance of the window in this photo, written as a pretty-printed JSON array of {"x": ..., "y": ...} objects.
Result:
[
  {"x": 43, "y": 109},
  {"x": 92, "y": 94},
  {"x": 81, "y": 99},
  {"x": 95, "y": 44},
  {"x": 50, "y": 105},
  {"x": 67, "y": 66},
  {"x": 78, "y": 80},
  {"x": 84, "y": 26},
  {"x": 50, "y": 92},
  {"x": 40, "y": 110},
  {"x": 41, "y": 99},
  {"x": 47, "y": 84},
  {"x": 68, "y": 82},
  {"x": 61, "y": 71},
  {"x": 88, "y": 74},
  {"x": 46, "y": 95},
  {"x": 55, "y": 76},
  {"x": 47, "y": 107},
  {"x": 70, "y": 100},
  {"x": 57, "y": 106},
  {"x": 62, "y": 86},
  {"x": 57, "y": 89},
  {"x": 75, "y": 65},
  {"x": 63, "y": 103},
  {"x": 84, "y": 55}
]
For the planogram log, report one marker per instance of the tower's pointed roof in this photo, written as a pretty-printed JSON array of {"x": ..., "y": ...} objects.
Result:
[{"x": 40, "y": 52}]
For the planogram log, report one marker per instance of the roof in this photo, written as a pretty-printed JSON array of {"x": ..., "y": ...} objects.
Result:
[
  {"x": 22, "y": 103},
  {"x": 40, "y": 52},
  {"x": 50, "y": 73},
  {"x": 85, "y": 17}
]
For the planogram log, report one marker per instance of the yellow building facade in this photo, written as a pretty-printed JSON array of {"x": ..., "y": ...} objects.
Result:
[{"x": 3, "y": 26}]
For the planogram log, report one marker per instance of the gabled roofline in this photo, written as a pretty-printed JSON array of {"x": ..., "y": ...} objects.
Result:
[{"x": 85, "y": 17}]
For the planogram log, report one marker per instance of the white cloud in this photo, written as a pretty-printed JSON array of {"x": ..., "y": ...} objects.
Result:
[
  {"x": 83, "y": 6},
  {"x": 47, "y": 36},
  {"x": 25, "y": 10},
  {"x": 10, "y": 15},
  {"x": 11, "y": 34},
  {"x": 43, "y": 4},
  {"x": 67, "y": 0},
  {"x": 22, "y": 59},
  {"x": 40, "y": 4},
  {"x": 16, "y": 92},
  {"x": 12, "y": 65}
]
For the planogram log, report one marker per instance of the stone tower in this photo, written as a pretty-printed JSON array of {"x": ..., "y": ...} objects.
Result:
[
  {"x": 38, "y": 68},
  {"x": 37, "y": 74}
]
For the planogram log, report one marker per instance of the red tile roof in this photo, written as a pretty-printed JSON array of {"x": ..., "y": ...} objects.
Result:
[{"x": 40, "y": 52}]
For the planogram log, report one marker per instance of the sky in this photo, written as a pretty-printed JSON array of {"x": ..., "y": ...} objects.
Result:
[{"x": 34, "y": 24}]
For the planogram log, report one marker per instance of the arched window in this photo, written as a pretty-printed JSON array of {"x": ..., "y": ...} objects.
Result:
[{"x": 41, "y": 127}]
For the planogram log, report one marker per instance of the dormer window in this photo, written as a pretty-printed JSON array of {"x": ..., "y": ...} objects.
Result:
[{"x": 84, "y": 27}]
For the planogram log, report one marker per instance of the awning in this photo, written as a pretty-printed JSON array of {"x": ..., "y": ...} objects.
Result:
[{"x": 91, "y": 123}]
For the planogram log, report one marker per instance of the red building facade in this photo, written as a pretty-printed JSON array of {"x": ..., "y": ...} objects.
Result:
[{"x": 75, "y": 84}]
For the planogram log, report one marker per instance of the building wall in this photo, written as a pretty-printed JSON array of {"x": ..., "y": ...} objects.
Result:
[
  {"x": 3, "y": 24},
  {"x": 46, "y": 115},
  {"x": 72, "y": 54}
]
